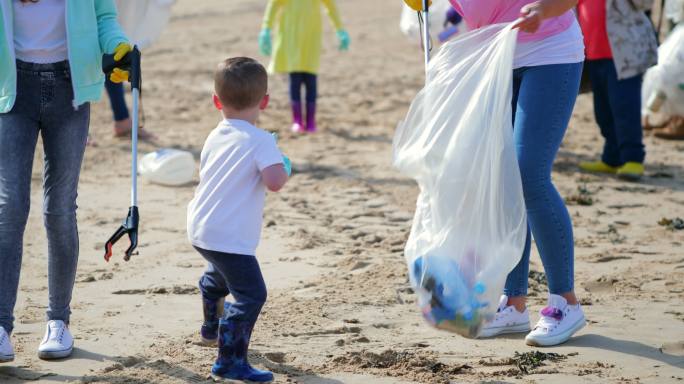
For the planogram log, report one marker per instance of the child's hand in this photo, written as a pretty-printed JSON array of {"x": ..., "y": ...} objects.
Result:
[
  {"x": 344, "y": 39},
  {"x": 265, "y": 46},
  {"x": 287, "y": 164}
]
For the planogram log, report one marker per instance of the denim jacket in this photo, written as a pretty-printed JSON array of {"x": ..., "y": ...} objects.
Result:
[
  {"x": 92, "y": 29},
  {"x": 631, "y": 36}
]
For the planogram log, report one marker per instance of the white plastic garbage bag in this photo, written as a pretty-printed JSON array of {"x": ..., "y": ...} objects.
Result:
[
  {"x": 144, "y": 20},
  {"x": 167, "y": 166},
  {"x": 674, "y": 10},
  {"x": 470, "y": 223},
  {"x": 662, "y": 92}
]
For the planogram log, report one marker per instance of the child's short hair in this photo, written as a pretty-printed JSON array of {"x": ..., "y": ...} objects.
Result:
[{"x": 240, "y": 82}]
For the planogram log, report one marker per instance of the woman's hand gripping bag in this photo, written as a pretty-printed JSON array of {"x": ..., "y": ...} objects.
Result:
[{"x": 470, "y": 223}]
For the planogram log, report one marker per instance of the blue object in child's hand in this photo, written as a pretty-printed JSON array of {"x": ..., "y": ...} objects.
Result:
[
  {"x": 265, "y": 46},
  {"x": 287, "y": 164},
  {"x": 344, "y": 39}
]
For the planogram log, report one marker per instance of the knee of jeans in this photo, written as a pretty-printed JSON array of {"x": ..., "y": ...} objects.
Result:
[
  {"x": 14, "y": 210},
  {"x": 60, "y": 205},
  {"x": 533, "y": 184},
  {"x": 259, "y": 296}
]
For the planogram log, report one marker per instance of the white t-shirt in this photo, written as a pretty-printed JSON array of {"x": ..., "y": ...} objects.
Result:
[
  {"x": 40, "y": 34},
  {"x": 566, "y": 47},
  {"x": 227, "y": 211}
]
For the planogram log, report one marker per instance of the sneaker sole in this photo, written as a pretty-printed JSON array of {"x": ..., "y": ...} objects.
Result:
[
  {"x": 220, "y": 379},
  {"x": 6, "y": 358},
  {"x": 556, "y": 340},
  {"x": 520, "y": 328},
  {"x": 629, "y": 177},
  {"x": 54, "y": 355}
]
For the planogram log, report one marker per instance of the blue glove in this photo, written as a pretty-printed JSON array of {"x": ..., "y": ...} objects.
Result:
[
  {"x": 265, "y": 46},
  {"x": 344, "y": 39},
  {"x": 287, "y": 164}
]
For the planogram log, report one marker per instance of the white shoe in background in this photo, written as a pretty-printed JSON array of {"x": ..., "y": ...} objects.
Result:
[
  {"x": 558, "y": 322},
  {"x": 6, "y": 349},
  {"x": 506, "y": 320},
  {"x": 57, "y": 343}
]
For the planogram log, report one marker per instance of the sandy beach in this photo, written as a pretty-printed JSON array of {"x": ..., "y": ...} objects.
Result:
[{"x": 340, "y": 308}]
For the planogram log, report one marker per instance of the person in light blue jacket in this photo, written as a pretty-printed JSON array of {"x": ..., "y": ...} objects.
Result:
[{"x": 50, "y": 70}]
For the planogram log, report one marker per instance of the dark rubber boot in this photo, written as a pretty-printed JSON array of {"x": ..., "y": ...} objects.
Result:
[
  {"x": 213, "y": 310},
  {"x": 232, "y": 354},
  {"x": 311, "y": 117},
  {"x": 297, "y": 122}
]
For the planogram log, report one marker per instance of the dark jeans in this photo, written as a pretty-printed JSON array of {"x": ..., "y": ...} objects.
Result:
[
  {"x": 617, "y": 107},
  {"x": 117, "y": 101},
  {"x": 237, "y": 274},
  {"x": 43, "y": 107},
  {"x": 309, "y": 80},
  {"x": 543, "y": 99}
]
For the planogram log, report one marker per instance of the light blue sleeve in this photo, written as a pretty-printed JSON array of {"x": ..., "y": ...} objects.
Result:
[{"x": 109, "y": 30}]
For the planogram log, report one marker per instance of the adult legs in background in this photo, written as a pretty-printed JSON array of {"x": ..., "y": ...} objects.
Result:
[
  {"x": 121, "y": 116},
  {"x": 617, "y": 108},
  {"x": 296, "y": 82}
]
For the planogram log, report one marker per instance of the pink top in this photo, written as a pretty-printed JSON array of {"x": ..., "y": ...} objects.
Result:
[{"x": 478, "y": 13}]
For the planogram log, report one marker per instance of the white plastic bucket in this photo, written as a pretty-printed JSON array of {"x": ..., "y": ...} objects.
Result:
[{"x": 168, "y": 166}]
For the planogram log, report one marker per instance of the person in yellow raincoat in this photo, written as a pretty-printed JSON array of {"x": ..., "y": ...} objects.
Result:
[{"x": 297, "y": 49}]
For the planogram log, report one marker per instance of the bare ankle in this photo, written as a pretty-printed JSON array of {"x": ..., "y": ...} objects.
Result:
[
  {"x": 519, "y": 302},
  {"x": 571, "y": 298}
]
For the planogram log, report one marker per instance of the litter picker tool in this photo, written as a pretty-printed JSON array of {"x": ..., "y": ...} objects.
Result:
[
  {"x": 130, "y": 63},
  {"x": 423, "y": 9}
]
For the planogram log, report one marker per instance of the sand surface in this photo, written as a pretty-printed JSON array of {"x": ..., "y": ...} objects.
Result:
[{"x": 340, "y": 309}]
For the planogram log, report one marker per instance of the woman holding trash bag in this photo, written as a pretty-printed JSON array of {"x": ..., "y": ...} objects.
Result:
[
  {"x": 548, "y": 66},
  {"x": 50, "y": 71}
]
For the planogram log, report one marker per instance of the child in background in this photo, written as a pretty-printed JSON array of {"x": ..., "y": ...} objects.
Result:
[
  {"x": 238, "y": 163},
  {"x": 297, "y": 50},
  {"x": 620, "y": 47}
]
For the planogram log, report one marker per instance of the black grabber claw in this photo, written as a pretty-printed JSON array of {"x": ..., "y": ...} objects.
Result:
[{"x": 129, "y": 227}]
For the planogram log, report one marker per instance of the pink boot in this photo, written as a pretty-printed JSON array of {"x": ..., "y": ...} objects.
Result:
[
  {"x": 297, "y": 124},
  {"x": 311, "y": 117}
]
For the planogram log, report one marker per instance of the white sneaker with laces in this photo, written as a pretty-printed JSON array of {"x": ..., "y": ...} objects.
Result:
[
  {"x": 506, "y": 320},
  {"x": 6, "y": 349},
  {"x": 558, "y": 322},
  {"x": 57, "y": 343}
]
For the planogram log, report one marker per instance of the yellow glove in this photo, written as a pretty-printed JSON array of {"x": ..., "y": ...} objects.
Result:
[
  {"x": 119, "y": 75},
  {"x": 416, "y": 4}
]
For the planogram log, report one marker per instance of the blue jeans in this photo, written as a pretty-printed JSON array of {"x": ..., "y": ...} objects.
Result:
[
  {"x": 543, "y": 99},
  {"x": 310, "y": 82},
  {"x": 117, "y": 100},
  {"x": 237, "y": 274},
  {"x": 43, "y": 107},
  {"x": 617, "y": 108}
]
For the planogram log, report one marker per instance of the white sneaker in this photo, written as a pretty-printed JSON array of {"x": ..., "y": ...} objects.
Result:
[
  {"x": 558, "y": 322},
  {"x": 57, "y": 343},
  {"x": 6, "y": 349},
  {"x": 506, "y": 320}
]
